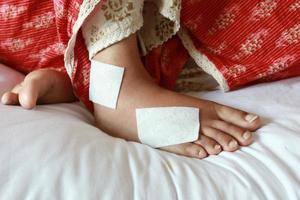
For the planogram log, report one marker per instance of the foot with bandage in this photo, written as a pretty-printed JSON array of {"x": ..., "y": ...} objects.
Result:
[
  {"x": 44, "y": 86},
  {"x": 130, "y": 105}
]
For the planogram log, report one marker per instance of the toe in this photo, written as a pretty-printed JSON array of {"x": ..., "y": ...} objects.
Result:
[
  {"x": 10, "y": 98},
  {"x": 227, "y": 142},
  {"x": 210, "y": 145},
  {"x": 187, "y": 149},
  {"x": 237, "y": 117},
  {"x": 28, "y": 94},
  {"x": 27, "y": 100},
  {"x": 243, "y": 136}
]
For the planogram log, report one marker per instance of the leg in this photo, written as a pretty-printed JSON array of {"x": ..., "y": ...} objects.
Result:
[
  {"x": 222, "y": 127},
  {"x": 43, "y": 86}
]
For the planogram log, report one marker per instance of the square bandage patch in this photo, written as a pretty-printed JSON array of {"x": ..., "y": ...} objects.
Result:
[
  {"x": 105, "y": 83},
  {"x": 164, "y": 126}
]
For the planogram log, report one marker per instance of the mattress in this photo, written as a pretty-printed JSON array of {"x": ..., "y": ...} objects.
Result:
[{"x": 55, "y": 152}]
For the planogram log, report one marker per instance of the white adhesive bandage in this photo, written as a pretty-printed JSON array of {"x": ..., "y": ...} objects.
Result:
[
  {"x": 105, "y": 83},
  {"x": 164, "y": 126}
]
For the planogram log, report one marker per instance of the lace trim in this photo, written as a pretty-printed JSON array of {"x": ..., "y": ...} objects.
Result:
[
  {"x": 86, "y": 9},
  {"x": 113, "y": 38},
  {"x": 170, "y": 10},
  {"x": 100, "y": 33},
  {"x": 202, "y": 60}
]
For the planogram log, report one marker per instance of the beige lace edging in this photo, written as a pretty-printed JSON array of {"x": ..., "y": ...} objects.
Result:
[
  {"x": 169, "y": 9},
  {"x": 172, "y": 13},
  {"x": 202, "y": 60},
  {"x": 86, "y": 9},
  {"x": 114, "y": 37}
]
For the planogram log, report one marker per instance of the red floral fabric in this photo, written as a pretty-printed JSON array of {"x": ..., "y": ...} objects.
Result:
[
  {"x": 34, "y": 34},
  {"x": 166, "y": 61},
  {"x": 247, "y": 41}
]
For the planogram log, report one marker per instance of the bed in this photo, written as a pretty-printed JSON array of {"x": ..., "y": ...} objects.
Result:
[{"x": 55, "y": 152}]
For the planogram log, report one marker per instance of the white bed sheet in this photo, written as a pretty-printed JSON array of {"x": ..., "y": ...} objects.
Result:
[{"x": 54, "y": 152}]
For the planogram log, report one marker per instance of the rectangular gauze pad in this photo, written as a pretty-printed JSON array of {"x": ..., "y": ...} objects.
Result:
[
  {"x": 105, "y": 83},
  {"x": 164, "y": 126}
]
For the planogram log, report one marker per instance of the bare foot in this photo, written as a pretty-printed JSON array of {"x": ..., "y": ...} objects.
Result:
[
  {"x": 43, "y": 86},
  {"x": 222, "y": 127}
]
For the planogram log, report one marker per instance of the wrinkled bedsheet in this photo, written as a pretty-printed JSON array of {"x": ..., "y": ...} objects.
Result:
[{"x": 55, "y": 152}]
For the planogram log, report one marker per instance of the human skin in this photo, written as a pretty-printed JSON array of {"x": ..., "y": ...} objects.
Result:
[{"x": 222, "y": 128}]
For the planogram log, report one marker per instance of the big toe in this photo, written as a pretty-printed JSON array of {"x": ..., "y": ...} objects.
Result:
[
  {"x": 29, "y": 94},
  {"x": 239, "y": 118},
  {"x": 27, "y": 100}
]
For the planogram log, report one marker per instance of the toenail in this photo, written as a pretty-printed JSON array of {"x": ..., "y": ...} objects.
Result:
[
  {"x": 233, "y": 144},
  {"x": 250, "y": 118},
  {"x": 247, "y": 135},
  {"x": 217, "y": 147},
  {"x": 200, "y": 153}
]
